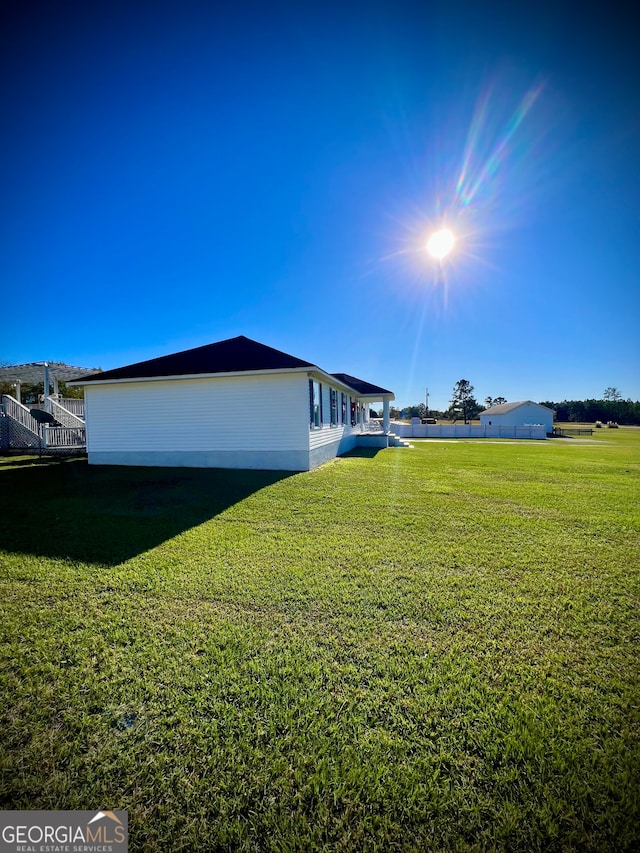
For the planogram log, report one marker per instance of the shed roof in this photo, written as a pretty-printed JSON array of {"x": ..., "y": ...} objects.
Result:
[
  {"x": 234, "y": 355},
  {"x": 503, "y": 408}
]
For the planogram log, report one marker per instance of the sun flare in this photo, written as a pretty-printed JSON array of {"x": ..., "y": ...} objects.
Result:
[{"x": 440, "y": 243}]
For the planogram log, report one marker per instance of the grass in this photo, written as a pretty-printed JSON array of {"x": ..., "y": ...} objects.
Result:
[{"x": 426, "y": 649}]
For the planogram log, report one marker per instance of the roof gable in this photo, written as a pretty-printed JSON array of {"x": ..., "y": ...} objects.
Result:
[{"x": 234, "y": 355}]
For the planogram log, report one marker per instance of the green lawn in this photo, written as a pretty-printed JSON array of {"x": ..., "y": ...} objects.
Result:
[{"x": 422, "y": 649}]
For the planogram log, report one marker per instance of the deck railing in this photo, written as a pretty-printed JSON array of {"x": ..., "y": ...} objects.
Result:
[
  {"x": 20, "y": 413},
  {"x": 64, "y": 417},
  {"x": 73, "y": 405},
  {"x": 64, "y": 437}
]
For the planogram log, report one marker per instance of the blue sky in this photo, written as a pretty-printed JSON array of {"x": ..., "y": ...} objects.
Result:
[{"x": 179, "y": 173}]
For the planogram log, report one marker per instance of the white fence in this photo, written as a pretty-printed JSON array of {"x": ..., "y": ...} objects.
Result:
[{"x": 466, "y": 431}]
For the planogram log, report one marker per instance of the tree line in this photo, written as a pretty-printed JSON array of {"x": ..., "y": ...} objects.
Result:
[
  {"x": 626, "y": 412},
  {"x": 464, "y": 405}
]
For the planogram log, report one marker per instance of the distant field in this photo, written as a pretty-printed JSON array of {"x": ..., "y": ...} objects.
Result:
[{"x": 421, "y": 649}]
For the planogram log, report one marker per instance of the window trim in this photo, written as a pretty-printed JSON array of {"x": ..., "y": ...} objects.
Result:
[
  {"x": 333, "y": 407},
  {"x": 315, "y": 404}
]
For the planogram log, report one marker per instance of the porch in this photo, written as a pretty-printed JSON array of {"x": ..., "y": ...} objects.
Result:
[{"x": 374, "y": 434}]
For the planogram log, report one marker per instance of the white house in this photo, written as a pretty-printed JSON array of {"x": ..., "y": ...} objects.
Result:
[
  {"x": 521, "y": 414},
  {"x": 231, "y": 404}
]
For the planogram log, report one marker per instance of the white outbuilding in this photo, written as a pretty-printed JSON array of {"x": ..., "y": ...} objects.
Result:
[
  {"x": 232, "y": 404},
  {"x": 524, "y": 413}
]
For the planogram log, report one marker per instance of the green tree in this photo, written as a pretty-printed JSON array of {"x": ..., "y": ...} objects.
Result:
[
  {"x": 416, "y": 411},
  {"x": 611, "y": 394},
  {"x": 462, "y": 401},
  {"x": 494, "y": 401}
]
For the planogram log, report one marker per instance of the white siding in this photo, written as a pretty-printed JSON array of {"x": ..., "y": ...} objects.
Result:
[
  {"x": 328, "y": 434},
  {"x": 222, "y": 413}
]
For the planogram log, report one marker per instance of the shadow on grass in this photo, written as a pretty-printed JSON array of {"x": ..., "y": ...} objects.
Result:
[
  {"x": 107, "y": 514},
  {"x": 362, "y": 453}
]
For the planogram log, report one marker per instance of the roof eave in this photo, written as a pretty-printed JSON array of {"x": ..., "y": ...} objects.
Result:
[
  {"x": 369, "y": 398},
  {"x": 374, "y": 398},
  {"x": 218, "y": 375},
  {"x": 310, "y": 370}
]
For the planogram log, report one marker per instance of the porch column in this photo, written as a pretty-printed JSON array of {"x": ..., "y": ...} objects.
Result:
[
  {"x": 55, "y": 387},
  {"x": 18, "y": 391},
  {"x": 386, "y": 423}
]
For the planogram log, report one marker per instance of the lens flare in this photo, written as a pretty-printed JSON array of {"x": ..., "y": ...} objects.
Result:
[
  {"x": 471, "y": 180},
  {"x": 440, "y": 243}
]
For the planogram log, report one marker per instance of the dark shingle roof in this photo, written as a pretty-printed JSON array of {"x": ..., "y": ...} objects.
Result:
[
  {"x": 234, "y": 355},
  {"x": 230, "y": 356},
  {"x": 366, "y": 389}
]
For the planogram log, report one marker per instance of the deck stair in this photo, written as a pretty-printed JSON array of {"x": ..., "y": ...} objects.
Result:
[
  {"x": 23, "y": 432},
  {"x": 65, "y": 416}
]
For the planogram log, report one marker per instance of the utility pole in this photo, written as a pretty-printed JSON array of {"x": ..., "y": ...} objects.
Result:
[{"x": 426, "y": 414}]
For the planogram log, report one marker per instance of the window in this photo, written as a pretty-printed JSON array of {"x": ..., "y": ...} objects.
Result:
[
  {"x": 343, "y": 408},
  {"x": 333, "y": 402},
  {"x": 315, "y": 404}
]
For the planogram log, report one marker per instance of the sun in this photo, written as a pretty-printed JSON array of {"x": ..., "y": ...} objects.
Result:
[{"x": 440, "y": 243}]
